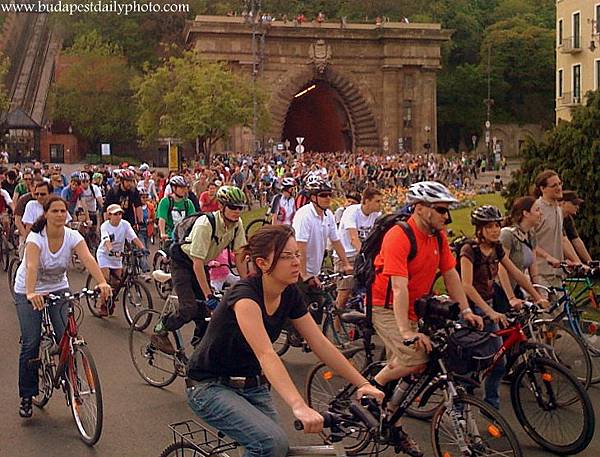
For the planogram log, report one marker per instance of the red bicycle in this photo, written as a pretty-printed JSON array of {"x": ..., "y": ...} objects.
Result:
[{"x": 69, "y": 366}]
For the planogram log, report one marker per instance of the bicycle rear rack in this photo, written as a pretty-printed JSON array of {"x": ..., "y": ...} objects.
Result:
[{"x": 205, "y": 441}]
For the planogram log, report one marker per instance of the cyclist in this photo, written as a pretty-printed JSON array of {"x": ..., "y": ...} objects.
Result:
[
  {"x": 48, "y": 251},
  {"x": 90, "y": 198},
  {"x": 72, "y": 192},
  {"x": 570, "y": 205},
  {"x": 148, "y": 185},
  {"x": 208, "y": 199},
  {"x": 352, "y": 198},
  {"x": 127, "y": 197},
  {"x": 24, "y": 186},
  {"x": 35, "y": 208},
  {"x": 283, "y": 206},
  {"x": 174, "y": 208},
  {"x": 399, "y": 283},
  {"x": 146, "y": 228},
  {"x": 210, "y": 234},
  {"x": 482, "y": 262},
  {"x": 230, "y": 372},
  {"x": 114, "y": 232}
]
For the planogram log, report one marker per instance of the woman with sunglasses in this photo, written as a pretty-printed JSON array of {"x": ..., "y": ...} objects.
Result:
[
  {"x": 482, "y": 262},
  {"x": 231, "y": 371},
  {"x": 205, "y": 238}
]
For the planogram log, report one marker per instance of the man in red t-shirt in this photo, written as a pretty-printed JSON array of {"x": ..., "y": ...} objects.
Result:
[
  {"x": 410, "y": 281},
  {"x": 208, "y": 199}
]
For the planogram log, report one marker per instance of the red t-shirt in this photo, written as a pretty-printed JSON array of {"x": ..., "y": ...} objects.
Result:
[
  {"x": 393, "y": 260},
  {"x": 206, "y": 204}
]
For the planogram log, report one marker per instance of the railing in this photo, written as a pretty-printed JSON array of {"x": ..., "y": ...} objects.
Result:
[
  {"x": 570, "y": 45},
  {"x": 569, "y": 99}
]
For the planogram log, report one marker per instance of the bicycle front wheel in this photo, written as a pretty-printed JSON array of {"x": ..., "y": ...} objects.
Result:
[
  {"x": 85, "y": 395},
  {"x": 13, "y": 266},
  {"x": 590, "y": 330},
  {"x": 155, "y": 367},
  {"x": 136, "y": 297},
  {"x": 254, "y": 226},
  {"x": 93, "y": 302},
  {"x": 481, "y": 430},
  {"x": 552, "y": 406}
]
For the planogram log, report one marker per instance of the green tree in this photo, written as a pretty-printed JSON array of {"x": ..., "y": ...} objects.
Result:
[
  {"x": 93, "y": 92},
  {"x": 189, "y": 99},
  {"x": 4, "y": 98},
  {"x": 572, "y": 149}
]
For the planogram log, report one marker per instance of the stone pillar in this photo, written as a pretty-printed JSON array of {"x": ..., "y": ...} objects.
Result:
[
  {"x": 389, "y": 110},
  {"x": 400, "y": 109},
  {"x": 428, "y": 112}
]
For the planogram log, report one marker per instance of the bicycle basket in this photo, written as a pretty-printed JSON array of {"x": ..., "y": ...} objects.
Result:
[{"x": 471, "y": 350}]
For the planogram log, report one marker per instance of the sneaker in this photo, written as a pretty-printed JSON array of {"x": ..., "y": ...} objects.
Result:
[
  {"x": 162, "y": 343},
  {"x": 25, "y": 408},
  {"x": 404, "y": 443}
]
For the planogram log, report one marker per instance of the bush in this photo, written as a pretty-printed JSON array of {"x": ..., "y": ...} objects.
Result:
[{"x": 97, "y": 159}]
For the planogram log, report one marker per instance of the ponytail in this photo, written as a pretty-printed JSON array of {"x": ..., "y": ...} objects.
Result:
[{"x": 41, "y": 222}]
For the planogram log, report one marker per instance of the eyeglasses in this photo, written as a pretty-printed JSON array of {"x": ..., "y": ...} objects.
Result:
[
  {"x": 235, "y": 207},
  {"x": 288, "y": 256},
  {"x": 324, "y": 194},
  {"x": 27, "y": 179},
  {"x": 40, "y": 194},
  {"x": 441, "y": 210}
]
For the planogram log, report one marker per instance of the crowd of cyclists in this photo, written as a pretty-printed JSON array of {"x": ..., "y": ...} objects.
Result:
[{"x": 94, "y": 214}]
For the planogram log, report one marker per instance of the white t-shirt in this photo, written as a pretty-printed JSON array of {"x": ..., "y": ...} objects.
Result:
[
  {"x": 88, "y": 198},
  {"x": 33, "y": 210},
  {"x": 354, "y": 218},
  {"x": 314, "y": 230},
  {"x": 6, "y": 196},
  {"x": 52, "y": 271},
  {"x": 117, "y": 237}
]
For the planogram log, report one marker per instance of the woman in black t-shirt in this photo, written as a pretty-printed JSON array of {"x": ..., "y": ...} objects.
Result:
[
  {"x": 231, "y": 369},
  {"x": 481, "y": 262}
]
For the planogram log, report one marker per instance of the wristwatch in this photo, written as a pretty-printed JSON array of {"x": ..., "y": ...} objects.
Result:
[{"x": 466, "y": 311}]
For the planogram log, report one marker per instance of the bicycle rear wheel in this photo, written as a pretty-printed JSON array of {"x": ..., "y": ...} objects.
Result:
[
  {"x": 44, "y": 381},
  {"x": 136, "y": 297},
  {"x": 183, "y": 449},
  {"x": 155, "y": 367},
  {"x": 13, "y": 266},
  {"x": 254, "y": 226},
  {"x": 484, "y": 430},
  {"x": 282, "y": 344},
  {"x": 552, "y": 406},
  {"x": 85, "y": 395}
]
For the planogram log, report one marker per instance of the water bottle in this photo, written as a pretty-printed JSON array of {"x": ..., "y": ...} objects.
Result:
[{"x": 399, "y": 392}]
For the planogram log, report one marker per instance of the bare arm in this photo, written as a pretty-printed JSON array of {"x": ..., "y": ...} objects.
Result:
[
  {"x": 339, "y": 249},
  {"x": 569, "y": 251},
  {"x": 520, "y": 277},
  {"x": 162, "y": 228},
  {"x": 400, "y": 296},
  {"x": 505, "y": 282},
  {"x": 20, "y": 227},
  {"x": 581, "y": 250},
  {"x": 138, "y": 243},
  {"x": 302, "y": 250},
  {"x": 354, "y": 240}
]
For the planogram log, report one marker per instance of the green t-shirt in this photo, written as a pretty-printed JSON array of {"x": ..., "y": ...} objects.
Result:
[
  {"x": 21, "y": 188},
  {"x": 179, "y": 210}
]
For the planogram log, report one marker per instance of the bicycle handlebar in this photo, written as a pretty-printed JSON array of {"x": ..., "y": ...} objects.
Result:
[{"x": 336, "y": 422}]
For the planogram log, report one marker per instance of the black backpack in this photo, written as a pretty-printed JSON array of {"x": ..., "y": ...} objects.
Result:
[
  {"x": 364, "y": 267},
  {"x": 457, "y": 245}
]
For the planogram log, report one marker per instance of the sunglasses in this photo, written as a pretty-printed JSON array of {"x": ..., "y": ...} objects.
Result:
[
  {"x": 119, "y": 213},
  {"x": 444, "y": 212},
  {"x": 235, "y": 207},
  {"x": 324, "y": 194}
]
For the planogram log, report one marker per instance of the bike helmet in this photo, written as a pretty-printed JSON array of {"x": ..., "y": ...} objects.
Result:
[
  {"x": 127, "y": 175},
  {"x": 485, "y": 214},
  {"x": 75, "y": 176},
  {"x": 178, "y": 181},
  {"x": 97, "y": 176},
  {"x": 231, "y": 195},
  {"x": 144, "y": 167},
  {"x": 429, "y": 192},
  {"x": 146, "y": 174},
  {"x": 288, "y": 182},
  {"x": 315, "y": 184},
  {"x": 84, "y": 176}
]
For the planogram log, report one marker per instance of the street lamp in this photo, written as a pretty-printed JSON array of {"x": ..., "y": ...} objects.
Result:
[{"x": 427, "y": 145}]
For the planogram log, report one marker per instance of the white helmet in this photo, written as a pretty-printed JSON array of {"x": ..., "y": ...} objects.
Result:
[
  {"x": 429, "y": 192},
  {"x": 288, "y": 182},
  {"x": 144, "y": 167}
]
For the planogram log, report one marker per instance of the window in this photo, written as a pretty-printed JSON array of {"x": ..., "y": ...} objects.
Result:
[
  {"x": 576, "y": 30},
  {"x": 408, "y": 144},
  {"x": 597, "y": 17},
  {"x": 559, "y": 83},
  {"x": 560, "y": 32},
  {"x": 407, "y": 116},
  {"x": 597, "y": 69},
  {"x": 57, "y": 153},
  {"x": 576, "y": 83}
]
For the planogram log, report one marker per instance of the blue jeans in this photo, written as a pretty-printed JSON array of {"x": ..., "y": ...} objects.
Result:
[
  {"x": 143, "y": 236},
  {"x": 30, "y": 321},
  {"x": 493, "y": 380},
  {"x": 247, "y": 416}
]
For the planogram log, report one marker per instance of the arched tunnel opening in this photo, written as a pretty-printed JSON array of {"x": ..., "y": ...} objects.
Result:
[{"x": 317, "y": 113}]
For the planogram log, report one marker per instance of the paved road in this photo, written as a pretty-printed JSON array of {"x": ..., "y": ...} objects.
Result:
[{"x": 135, "y": 414}]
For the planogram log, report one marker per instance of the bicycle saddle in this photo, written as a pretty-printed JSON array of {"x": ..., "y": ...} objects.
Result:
[
  {"x": 161, "y": 276},
  {"x": 353, "y": 317}
]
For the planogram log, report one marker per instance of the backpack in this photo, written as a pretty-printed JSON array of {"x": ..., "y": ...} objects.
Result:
[
  {"x": 471, "y": 350},
  {"x": 364, "y": 267},
  {"x": 457, "y": 245}
]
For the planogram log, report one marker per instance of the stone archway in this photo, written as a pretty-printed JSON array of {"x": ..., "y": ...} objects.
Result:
[{"x": 363, "y": 127}]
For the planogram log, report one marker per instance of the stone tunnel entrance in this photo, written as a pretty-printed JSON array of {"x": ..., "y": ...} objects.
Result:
[{"x": 318, "y": 114}]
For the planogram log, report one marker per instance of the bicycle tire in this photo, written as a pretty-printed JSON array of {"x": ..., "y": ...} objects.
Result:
[
  {"x": 144, "y": 356},
  {"x": 44, "y": 382},
  {"x": 569, "y": 349},
  {"x": 134, "y": 300},
  {"x": 427, "y": 411},
  {"x": 254, "y": 226},
  {"x": 591, "y": 337},
  {"x": 578, "y": 403},
  {"x": 282, "y": 344},
  {"x": 89, "y": 435},
  {"x": 495, "y": 425},
  {"x": 178, "y": 449},
  {"x": 340, "y": 337},
  {"x": 5, "y": 254},
  {"x": 12, "y": 274},
  {"x": 92, "y": 302}
]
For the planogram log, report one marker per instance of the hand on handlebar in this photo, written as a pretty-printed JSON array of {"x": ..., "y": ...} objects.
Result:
[
  {"x": 37, "y": 300},
  {"x": 421, "y": 341},
  {"x": 498, "y": 318},
  {"x": 543, "y": 302},
  {"x": 473, "y": 320},
  {"x": 105, "y": 290},
  {"x": 369, "y": 390},
  {"x": 516, "y": 303},
  {"x": 553, "y": 261},
  {"x": 311, "y": 419}
]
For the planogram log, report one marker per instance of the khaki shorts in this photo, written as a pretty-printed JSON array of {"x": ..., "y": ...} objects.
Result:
[
  {"x": 346, "y": 283},
  {"x": 386, "y": 327}
]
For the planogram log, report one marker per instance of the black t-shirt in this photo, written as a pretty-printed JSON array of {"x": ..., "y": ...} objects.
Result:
[
  {"x": 569, "y": 228},
  {"x": 223, "y": 350},
  {"x": 485, "y": 268},
  {"x": 128, "y": 199}
]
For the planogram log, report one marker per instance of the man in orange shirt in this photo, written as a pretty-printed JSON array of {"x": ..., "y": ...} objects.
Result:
[{"x": 396, "y": 320}]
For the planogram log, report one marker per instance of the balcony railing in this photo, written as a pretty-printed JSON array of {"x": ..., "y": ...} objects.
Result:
[
  {"x": 570, "y": 45},
  {"x": 569, "y": 99}
]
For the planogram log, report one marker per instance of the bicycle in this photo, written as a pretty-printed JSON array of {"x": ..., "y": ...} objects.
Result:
[
  {"x": 161, "y": 261},
  {"x": 258, "y": 223},
  {"x": 193, "y": 439},
  {"x": 11, "y": 274},
  {"x": 136, "y": 296},
  {"x": 462, "y": 424},
  {"x": 74, "y": 372},
  {"x": 9, "y": 241},
  {"x": 326, "y": 314}
]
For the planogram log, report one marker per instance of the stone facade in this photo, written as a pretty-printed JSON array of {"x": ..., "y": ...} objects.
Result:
[{"x": 384, "y": 74}]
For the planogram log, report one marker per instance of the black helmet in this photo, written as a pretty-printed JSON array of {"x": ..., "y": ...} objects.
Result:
[{"x": 485, "y": 214}]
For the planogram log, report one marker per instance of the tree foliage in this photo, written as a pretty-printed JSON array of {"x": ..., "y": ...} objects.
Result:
[
  {"x": 93, "y": 92},
  {"x": 4, "y": 98},
  {"x": 573, "y": 150},
  {"x": 189, "y": 98}
]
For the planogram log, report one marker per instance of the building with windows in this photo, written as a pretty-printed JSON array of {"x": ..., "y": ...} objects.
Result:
[{"x": 577, "y": 53}]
